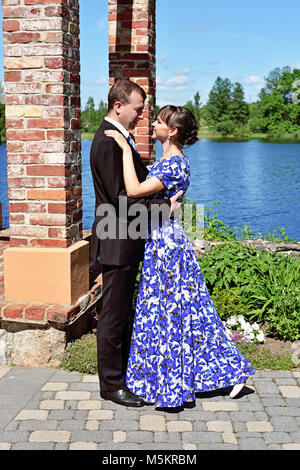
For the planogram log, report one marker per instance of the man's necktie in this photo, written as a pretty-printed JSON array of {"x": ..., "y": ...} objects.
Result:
[{"x": 131, "y": 142}]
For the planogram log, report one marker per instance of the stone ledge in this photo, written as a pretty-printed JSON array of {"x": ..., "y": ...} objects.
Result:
[{"x": 293, "y": 249}]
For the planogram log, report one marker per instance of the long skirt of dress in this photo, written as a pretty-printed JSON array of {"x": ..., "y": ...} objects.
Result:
[{"x": 179, "y": 345}]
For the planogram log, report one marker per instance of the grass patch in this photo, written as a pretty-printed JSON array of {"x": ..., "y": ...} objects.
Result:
[
  {"x": 81, "y": 356},
  {"x": 262, "y": 358}
]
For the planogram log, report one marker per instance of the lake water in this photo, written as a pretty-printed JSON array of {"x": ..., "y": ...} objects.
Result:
[{"x": 256, "y": 183}]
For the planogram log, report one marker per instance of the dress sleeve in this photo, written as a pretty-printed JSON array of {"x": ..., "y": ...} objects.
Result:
[{"x": 172, "y": 172}]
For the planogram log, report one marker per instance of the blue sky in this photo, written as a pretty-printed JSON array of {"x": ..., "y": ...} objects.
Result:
[{"x": 196, "y": 42}]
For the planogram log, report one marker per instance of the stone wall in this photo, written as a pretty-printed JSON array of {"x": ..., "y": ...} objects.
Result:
[{"x": 293, "y": 249}]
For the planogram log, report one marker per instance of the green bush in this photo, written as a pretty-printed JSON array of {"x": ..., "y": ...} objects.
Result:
[
  {"x": 81, "y": 355},
  {"x": 268, "y": 285},
  {"x": 228, "y": 303}
]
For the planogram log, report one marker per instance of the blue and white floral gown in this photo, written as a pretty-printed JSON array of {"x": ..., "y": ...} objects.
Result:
[{"x": 179, "y": 344}]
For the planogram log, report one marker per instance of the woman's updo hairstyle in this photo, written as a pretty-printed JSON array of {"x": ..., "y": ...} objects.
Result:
[{"x": 182, "y": 119}]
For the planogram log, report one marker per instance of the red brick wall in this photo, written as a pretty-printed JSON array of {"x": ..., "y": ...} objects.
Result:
[
  {"x": 42, "y": 85},
  {"x": 132, "y": 55}
]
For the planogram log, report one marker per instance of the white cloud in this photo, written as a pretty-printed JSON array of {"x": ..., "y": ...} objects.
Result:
[
  {"x": 183, "y": 71},
  {"x": 201, "y": 28},
  {"x": 253, "y": 80},
  {"x": 162, "y": 58},
  {"x": 177, "y": 80}
]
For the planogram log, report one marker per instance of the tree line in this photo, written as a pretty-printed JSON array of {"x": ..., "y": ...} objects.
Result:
[{"x": 276, "y": 113}]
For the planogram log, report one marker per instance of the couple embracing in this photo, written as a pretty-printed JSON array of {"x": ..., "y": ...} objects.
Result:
[{"x": 179, "y": 345}]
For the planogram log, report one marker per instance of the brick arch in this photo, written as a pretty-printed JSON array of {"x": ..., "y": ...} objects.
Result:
[{"x": 46, "y": 267}]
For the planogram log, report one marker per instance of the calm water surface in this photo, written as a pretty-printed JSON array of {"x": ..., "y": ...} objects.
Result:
[{"x": 256, "y": 183}]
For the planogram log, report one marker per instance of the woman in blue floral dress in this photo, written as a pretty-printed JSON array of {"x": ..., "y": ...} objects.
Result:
[{"x": 179, "y": 345}]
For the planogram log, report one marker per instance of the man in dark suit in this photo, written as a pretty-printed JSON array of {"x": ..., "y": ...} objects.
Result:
[{"x": 117, "y": 252}]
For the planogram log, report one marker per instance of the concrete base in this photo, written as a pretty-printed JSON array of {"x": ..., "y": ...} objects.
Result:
[{"x": 46, "y": 275}]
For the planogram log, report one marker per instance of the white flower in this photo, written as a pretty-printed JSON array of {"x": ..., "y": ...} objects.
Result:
[
  {"x": 255, "y": 326},
  {"x": 260, "y": 337},
  {"x": 232, "y": 321}
]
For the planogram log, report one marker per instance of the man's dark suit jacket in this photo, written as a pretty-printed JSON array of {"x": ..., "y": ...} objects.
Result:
[{"x": 107, "y": 170}]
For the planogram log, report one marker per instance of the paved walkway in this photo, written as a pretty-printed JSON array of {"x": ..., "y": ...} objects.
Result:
[{"x": 52, "y": 409}]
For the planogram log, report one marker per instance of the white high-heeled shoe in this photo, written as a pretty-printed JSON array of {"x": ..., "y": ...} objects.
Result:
[{"x": 237, "y": 389}]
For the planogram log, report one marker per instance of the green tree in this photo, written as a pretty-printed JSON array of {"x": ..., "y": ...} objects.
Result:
[
  {"x": 238, "y": 108},
  {"x": 278, "y": 114},
  {"x": 195, "y": 106},
  {"x": 219, "y": 101}
]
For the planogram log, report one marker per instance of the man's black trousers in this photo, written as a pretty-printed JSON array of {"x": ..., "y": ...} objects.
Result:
[{"x": 112, "y": 330}]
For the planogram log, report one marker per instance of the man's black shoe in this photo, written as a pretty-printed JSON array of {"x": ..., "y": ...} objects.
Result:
[{"x": 123, "y": 397}]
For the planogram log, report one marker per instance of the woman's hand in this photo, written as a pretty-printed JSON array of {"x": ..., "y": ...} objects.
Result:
[{"x": 119, "y": 138}]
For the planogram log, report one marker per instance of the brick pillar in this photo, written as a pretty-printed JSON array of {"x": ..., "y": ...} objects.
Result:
[
  {"x": 132, "y": 39},
  {"x": 42, "y": 86}
]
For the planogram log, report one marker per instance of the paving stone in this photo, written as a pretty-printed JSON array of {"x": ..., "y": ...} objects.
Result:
[
  {"x": 199, "y": 437},
  {"x": 49, "y": 436},
  {"x": 284, "y": 423},
  {"x": 179, "y": 426},
  {"x": 167, "y": 437},
  {"x": 89, "y": 405},
  {"x": 32, "y": 414},
  {"x": 91, "y": 436},
  {"x": 199, "y": 426},
  {"x": 119, "y": 436},
  {"x": 186, "y": 446},
  {"x": 84, "y": 386},
  {"x": 286, "y": 381},
  {"x": 92, "y": 425},
  {"x": 34, "y": 425},
  {"x": 219, "y": 426},
  {"x": 291, "y": 446},
  {"x": 220, "y": 406},
  {"x": 61, "y": 414},
  {"x": 290, "y": 391},
  {"x": 33, "y": 446},
  {"x": 117, "y": 425},
  {"x": 100, "y": 414},
  {"x": 55, "y": 386},
  {"x": 266, "y": 388},
  {"x": 283, "y": 411},
  {"x": 90, "y": 379},
  {"x": 273, "y": 401},
  {"x": 139, "y": 436},
  {"x": 72, "y": 395},
  {"x": 83, "y": 446},
  {"x": 71, "y": 425},
  {"x": 14, "y": 436},
  {"x": 118, "y": 446},
  {"x": 229, "y": 438},
  {"x": 295, "y": 436},
  {"x": 52, "y": 405},
  {"x": 5, "y": 445},
  {"x": 251, "y": 443},
  {"x": 126, "y": 413},
  {"x": 259, "y": 426},
  {"x": 152, "y": 423},
  {"x": 61, "y": 446},
  {"x": 277, "y": 437},
  {"x": 220, "y": 446},
  {"x": 242, "y": 416},
  {"x": 161, "y": 446}
]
